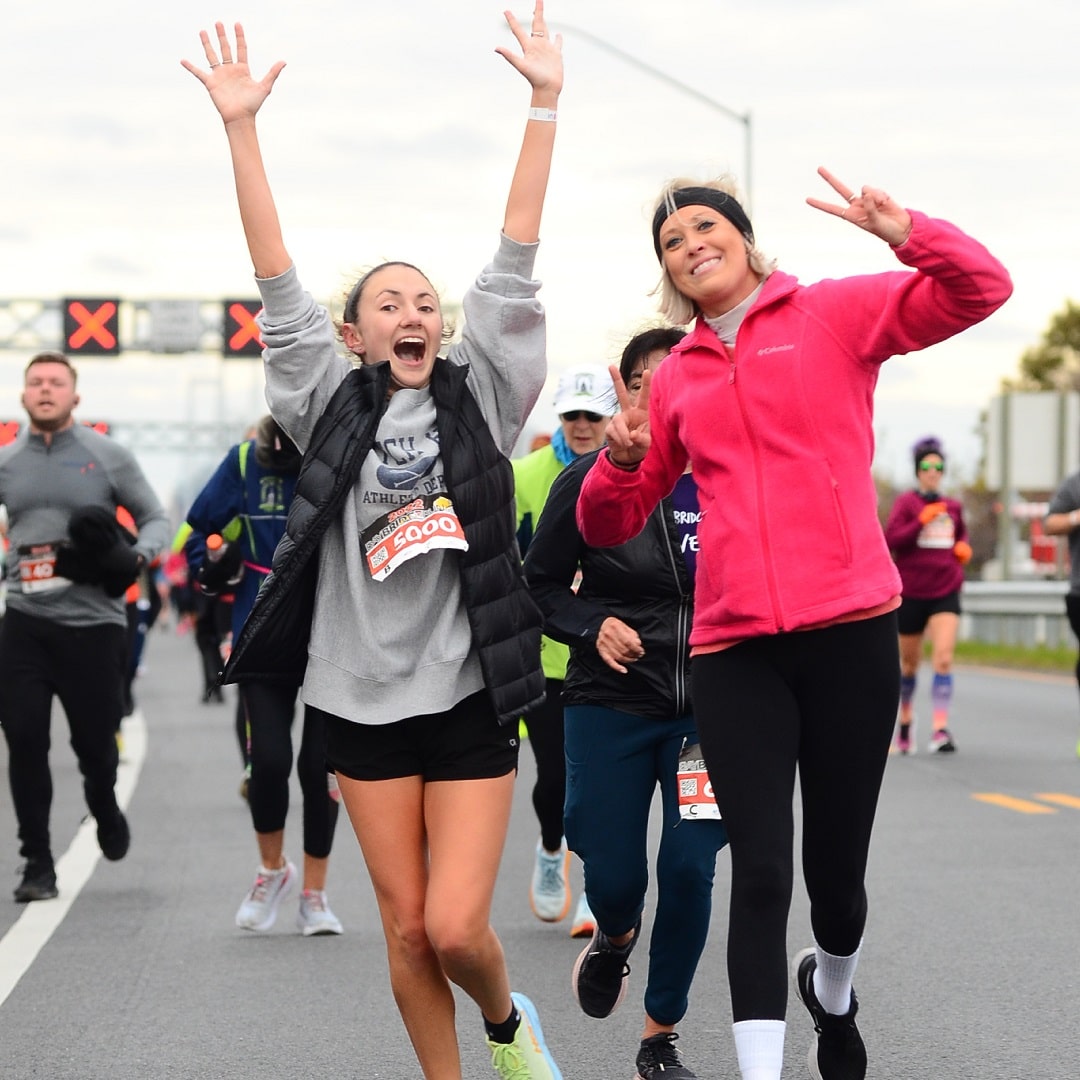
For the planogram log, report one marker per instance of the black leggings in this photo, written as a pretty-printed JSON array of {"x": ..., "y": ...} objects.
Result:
[
  {"x": 824, "y": 700},
  {"x": 269, "y": 708},
  {"x": 545, "y": 726}
]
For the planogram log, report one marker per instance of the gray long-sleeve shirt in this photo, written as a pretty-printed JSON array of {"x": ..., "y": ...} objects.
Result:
[
  {"x": 382, "y": 650},
  {"x": 42, "y": 485}
]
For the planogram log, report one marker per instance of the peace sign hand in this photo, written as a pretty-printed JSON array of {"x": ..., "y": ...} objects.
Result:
[
  {"x": 236, "y": 95},
  {"x": 628, "y": 436},
  {"x": 871, "y": 209}
]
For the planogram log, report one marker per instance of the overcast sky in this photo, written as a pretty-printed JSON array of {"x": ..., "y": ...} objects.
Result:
[{"x": 393, "y": 133}]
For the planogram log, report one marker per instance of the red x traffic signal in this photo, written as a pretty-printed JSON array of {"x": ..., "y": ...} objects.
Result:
[
  {"x": 240, "y": 336},
  {"x": 91, "y": 326}
]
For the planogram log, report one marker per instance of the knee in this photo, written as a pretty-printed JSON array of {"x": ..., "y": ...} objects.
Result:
[
  {"x": 456, "y": 938},
  {"x": 26, "y": 738},
  {"x": 761, "y": 884},
  {"x": 407, "y": 941},
  {"x": 687, "y": 873},
  {"x": 269, "y": 764}
]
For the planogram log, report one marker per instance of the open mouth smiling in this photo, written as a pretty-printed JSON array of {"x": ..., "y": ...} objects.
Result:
[{"x": 411, "y": 350}]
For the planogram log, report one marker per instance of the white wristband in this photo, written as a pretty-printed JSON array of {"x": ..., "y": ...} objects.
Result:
[{"x": 548, "y": 115}]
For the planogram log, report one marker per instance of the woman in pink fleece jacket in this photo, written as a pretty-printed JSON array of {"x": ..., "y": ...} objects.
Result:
[{"x": 795, "y": 635}]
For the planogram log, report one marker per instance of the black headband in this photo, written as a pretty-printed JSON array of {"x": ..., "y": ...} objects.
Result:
[{"x": 719, "y": 201}]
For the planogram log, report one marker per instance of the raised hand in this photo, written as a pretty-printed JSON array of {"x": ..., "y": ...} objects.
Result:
[
  {"x": 236, "y": 95},
  {"x": 628, "y": 436},
  {"x": 870, "y": 208},
  {"x": 541, "y": 56}
]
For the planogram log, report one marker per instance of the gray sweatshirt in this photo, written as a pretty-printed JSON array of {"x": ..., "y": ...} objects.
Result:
[
  {"x": 383, "y": 650},
  {"x": 42, "y": 485}
]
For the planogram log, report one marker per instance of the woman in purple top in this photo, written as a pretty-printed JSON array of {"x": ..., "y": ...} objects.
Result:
[{"x": 928, "y": 538}]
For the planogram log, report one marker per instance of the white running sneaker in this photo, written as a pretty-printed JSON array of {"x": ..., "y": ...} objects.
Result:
[
  {"x": 260, "y": 906},
  {"x": 549, "y": 891},
  {"x": 315, "y": 917},
  {"x": 584, "y": 922}
]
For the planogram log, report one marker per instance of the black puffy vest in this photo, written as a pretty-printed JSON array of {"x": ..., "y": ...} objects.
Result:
[{"x": 504, "y": 619}]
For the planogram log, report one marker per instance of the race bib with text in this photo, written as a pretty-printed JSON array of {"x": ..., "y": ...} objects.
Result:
[
  {"x": 425, "y": 524},
  {"x": 696, "y": 799},
  {"x": 939, "y": 533},
  {"x": 37, "y": 568}
]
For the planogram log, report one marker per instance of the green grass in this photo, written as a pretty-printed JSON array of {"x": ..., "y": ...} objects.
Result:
[{"x": 1061, "y": 659}]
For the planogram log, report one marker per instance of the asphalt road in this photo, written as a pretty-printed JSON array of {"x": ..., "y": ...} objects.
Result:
[{"x": 970, "y": 966}]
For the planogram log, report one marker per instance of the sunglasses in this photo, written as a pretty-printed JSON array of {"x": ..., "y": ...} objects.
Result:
[
  {"x": 931, "y": 466},
  {"x": 577, "y": 414}
]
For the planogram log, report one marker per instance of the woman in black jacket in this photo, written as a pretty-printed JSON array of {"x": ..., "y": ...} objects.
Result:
[{"x": 629, "y": 726}]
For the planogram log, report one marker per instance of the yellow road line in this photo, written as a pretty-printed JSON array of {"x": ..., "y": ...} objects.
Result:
[
  {"x": 1010, "y": 802},
  {"x": 1071, "y": 801}
]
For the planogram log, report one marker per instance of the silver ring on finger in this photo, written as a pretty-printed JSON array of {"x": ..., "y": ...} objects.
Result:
[
  {"x": 226, "y": 61},
  {"x": 851, "y": 198},
  {"x": 212, "y": 66},
  {"x": 844, "y": 214},
  {"x": 537, "y": 33}
]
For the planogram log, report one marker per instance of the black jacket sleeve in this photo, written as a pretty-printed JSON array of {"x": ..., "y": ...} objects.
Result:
[{"x": 552, "y": 561}]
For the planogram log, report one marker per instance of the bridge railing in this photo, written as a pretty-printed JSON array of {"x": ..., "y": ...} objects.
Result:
[{"x": 1026, "y": 613}]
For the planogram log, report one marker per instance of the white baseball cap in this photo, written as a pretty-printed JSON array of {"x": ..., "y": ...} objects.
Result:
[{"x": 588, "y": 388}]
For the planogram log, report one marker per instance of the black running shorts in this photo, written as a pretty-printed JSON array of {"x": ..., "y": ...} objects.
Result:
[
  {"x": 914, "y": 614},
  {"x": 464, "y": 743}
]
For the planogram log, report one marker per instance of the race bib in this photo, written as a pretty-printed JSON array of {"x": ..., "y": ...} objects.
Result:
[
  {"x": 940, "y": 533},
  {"x": 37, "y": 568},
  {"x": 426, "y": 523},
  {"x": 696, "y": 799}
]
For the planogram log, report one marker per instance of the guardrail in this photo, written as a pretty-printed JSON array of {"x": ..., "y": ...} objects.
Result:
[{"x": 1026, "y": 613}]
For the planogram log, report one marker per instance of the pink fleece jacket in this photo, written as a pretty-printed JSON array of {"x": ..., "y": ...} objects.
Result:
[{"x": 780, "y": 432}]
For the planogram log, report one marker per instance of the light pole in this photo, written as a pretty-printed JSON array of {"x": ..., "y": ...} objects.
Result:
[{"x": 742, "y": 118}]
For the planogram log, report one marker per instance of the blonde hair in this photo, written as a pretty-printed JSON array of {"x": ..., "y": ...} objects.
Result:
[{"x": 673, "y": 305}]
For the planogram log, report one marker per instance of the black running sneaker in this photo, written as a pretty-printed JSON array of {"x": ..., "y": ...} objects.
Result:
[
  {"x": 659, "y": 1060},
  {"x": 838, "y": 1052},
  {"x": 600, "y": 974},
  {"x": 114, "y": 837},
  {"x": 39, "y": 881}
]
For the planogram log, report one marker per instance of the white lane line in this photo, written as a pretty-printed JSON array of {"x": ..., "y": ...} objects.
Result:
[{"x": 31, "y": 931}]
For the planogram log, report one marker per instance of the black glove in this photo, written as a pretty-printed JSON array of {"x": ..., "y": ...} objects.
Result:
[
  {"x": 101, "y": 551},
  {"x": 77, "y": 566},
  {"x": 213, "y": 576},
  {"x": 119, "y": 567},
  {"x": 94, "y": 530}
]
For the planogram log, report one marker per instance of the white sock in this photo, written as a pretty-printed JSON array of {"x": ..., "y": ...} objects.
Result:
[
  {"x": 832, "y": 980},
  {"x": 759, "y": 1046}
]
